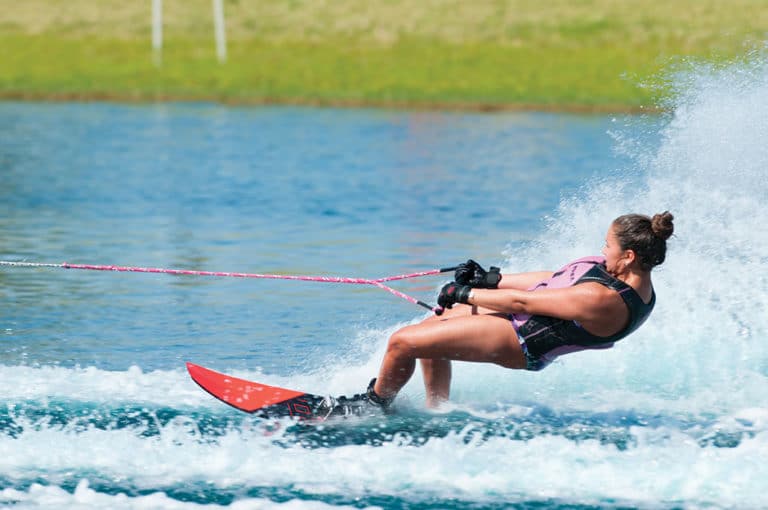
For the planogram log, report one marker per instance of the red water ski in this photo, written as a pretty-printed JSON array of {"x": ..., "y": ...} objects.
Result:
[{"x": 253, "y": 397}]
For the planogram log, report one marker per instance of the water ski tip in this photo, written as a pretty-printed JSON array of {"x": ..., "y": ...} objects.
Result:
[{"x": 248, "y": 396}]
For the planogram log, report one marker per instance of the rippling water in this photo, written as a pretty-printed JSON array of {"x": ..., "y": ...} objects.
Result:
[{"x": 98, "y": 412}]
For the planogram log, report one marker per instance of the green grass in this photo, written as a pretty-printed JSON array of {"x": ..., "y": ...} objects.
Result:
[{"x": 597, "y": 54}]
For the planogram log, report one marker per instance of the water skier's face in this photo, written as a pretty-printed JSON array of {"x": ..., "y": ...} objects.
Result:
[{"x": 616, "y": 259}]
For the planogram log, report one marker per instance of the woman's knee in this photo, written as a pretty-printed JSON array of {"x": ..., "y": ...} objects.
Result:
[{"x": 400, "y": 344}]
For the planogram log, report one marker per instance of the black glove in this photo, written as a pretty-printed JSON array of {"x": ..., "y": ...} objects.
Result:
[
  {"x": 471, "y": 273},
  {"x": 453, "y": 293}
]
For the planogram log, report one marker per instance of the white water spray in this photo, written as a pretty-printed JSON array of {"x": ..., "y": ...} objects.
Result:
[{"x": 707, "y": 338}]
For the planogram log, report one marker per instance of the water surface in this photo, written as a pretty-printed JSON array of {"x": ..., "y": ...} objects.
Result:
[{"x": 98, "y": 412}]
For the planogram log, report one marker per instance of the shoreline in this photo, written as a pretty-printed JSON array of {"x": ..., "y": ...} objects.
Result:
[{"x": 426, "y": 106}]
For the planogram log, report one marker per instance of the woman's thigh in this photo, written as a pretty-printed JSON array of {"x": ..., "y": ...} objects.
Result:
[{"x": 488, "y": 338}]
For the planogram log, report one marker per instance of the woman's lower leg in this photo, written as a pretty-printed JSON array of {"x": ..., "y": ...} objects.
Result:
[
  {"x": 396, "y": 369},
  {"x": 437, "y": 380}
]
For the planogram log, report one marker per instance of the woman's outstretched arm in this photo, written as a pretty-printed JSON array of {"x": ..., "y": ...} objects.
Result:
[{"x": 523, "y": 281}]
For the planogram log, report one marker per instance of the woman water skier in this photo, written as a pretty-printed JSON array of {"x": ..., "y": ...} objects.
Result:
[{"x": 526, "y": 320}]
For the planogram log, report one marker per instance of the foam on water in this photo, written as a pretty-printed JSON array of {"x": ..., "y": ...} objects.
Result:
[
  {"x": 83, "y": 497},
  {"x": 662, "y": 463}
]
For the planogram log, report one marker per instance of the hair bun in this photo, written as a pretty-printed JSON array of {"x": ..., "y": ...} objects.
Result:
[{"x": 662, "y": 225}]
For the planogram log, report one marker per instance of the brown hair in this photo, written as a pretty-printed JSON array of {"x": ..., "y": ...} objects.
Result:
[{"x": 646, "y": 236}]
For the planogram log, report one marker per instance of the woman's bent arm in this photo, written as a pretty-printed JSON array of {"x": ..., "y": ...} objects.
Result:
[{"x": 585, "y": 303}]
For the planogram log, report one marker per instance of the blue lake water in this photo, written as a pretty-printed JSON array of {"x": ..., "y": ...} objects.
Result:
[{"x": 97, "y": 410}]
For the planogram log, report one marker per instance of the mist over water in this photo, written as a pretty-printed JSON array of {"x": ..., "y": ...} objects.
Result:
[{"x": 675, "y": 416}]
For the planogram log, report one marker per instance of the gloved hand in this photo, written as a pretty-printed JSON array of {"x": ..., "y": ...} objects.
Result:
[
  {"x": 471, "y": 273},
  {"x": 453, "y": 293}
]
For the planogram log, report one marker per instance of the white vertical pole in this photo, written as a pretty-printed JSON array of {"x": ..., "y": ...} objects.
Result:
[
  {"x": 220, "y": 30},
  {"x": 157, "y": 32}
]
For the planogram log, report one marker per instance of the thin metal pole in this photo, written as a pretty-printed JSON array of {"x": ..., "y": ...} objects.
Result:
[
  {"x": 157, "y": 32},
  {"x": 220, "y": 30}
]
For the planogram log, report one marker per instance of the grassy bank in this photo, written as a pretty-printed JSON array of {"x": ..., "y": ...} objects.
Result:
[{"x": 593, "y": 55}]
